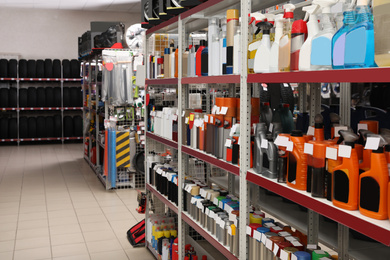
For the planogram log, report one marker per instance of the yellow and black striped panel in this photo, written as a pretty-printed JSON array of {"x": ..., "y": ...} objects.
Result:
[{"x": 122, "y": 149}]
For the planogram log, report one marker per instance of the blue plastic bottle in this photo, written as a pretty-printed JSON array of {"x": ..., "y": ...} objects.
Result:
[
  {"x": 359, "y": 41},
  {"x": 338, "y": 40}
]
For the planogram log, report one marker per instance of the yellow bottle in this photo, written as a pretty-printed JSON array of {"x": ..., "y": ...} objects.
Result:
[{"x": 254, "y": 44}]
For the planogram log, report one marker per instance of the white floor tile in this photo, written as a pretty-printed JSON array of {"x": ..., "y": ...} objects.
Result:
[
  {"x": 139, "y": 254},
  {"x": 32, "y": 216},
  {"x": 67, "y": 239},
  {"x": 65, "y": 229},
  {"x": 6, "y": 246},
  {"x": 88, "y": 212},
  {"x": 69, "y": 250},
  {"x": 103, "y": 246},
  {"x": 63, "y": 221},
  {"x": 74, "y": 257},
  {"x": 7, "y": 255},
  {"x": 32, "y": 233},
  {"x": 32, "y": 224},
  {"x": 92, "y": 218},
  {"x": 30, "y": 243},
  {"x": 117, "y": 255},
  {"x": 98, "y": 226},
  {"x": 99, "y": 235},
  {"x": 33, "y": 254}
]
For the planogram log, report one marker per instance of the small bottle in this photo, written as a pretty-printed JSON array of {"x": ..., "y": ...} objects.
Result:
[
  {"x": 297, "y": 162},
  {"x": 205, "y": 61},
  {"x": 185, "y": 62},
  {"x": 298, "y": 37},
  {"x": 198, "y": 58}
]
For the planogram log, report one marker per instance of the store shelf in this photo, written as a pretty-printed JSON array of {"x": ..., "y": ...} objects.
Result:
[
  {"x": 73, "y": 138},
  {"x": 151, "y": 249},
  {"x": 223, "y": 182},
  {"x": 8, "y": 79},
  {"x": 210, "y": 238},
  {"x": 8, "y": 109},
  {"x": 378, "y": 230},
  {"x": 225, "y": 79},
  {"x": 235, "y": 169},
  {"x": 101, "y": 145},
  {"x": 72, "y": 79},
  {"x": 170, "y": 81},
  {"x": 40, "y": 139},
  {"x": 38, "y": 108},
  {"x": 40, "y": 79},
  {"x": 346, "y": 75},
  {"x": 73, "y": 108},
  {"x": 161, "y": 197},
  {"x": 162, "y": 140},
  {"x": 8, "y": 140}
]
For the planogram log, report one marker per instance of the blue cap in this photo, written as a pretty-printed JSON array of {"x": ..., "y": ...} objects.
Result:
[
  {"x": 263, "y": 229},
  {"x": 224, "y": 201},
  {"x": 167, "y": 51},
  {"x": 229, "y": 70},
  {"x": 267, "y": 220},
  {"x": 302, "y": 255}
]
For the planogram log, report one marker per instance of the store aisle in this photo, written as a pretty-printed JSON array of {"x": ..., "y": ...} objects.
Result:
[{"x": 52, "y": 206}]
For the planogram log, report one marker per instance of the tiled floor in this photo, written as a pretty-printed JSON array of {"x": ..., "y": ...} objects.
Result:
[{"x": 52, "y": 206}]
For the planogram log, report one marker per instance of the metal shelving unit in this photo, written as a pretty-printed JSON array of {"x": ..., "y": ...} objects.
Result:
[{"x": 335, "y": 236}]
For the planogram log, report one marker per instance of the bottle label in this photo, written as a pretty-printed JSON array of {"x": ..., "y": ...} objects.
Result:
[
  {"x": 339, "y": 51},
  {"x": 321, "y": 51},
  {"x": 355, "y": 46}
]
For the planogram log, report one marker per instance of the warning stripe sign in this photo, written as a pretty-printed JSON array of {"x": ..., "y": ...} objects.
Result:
[{"x": 123, "y": 149}]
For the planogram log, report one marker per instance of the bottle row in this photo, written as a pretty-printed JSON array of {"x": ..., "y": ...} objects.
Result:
[{"x": 323, "y": 40}]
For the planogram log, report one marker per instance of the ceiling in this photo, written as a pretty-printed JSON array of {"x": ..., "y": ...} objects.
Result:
[{"x": 129, "y": 6}]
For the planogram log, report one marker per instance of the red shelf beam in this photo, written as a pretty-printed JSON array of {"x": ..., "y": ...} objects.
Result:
[
  {"x": 41, "y": 139},
  {"x": 235, "y": 169},
  {"x": 162, "y": 25},
  {"x": 225, "y": 79},
  {"x": 162, "y": 140},
  {"x": 8, "y": 140},
  {"x": 172, "y": 206},
  {"x": 347, "y": 218},
  {"x": 170, "y": 81}
]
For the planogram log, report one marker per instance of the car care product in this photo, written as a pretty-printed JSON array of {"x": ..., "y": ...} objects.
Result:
[
  {"x": 191, "y": 61},
  {"x": 258, "y": 157},
  {"x": 285, "y": 40},
  {"x": 334, "y": 121},
  {"x": 274, "y": 58},
  {"x": 302, "y": 255},
  {"x": 205, "y": 61},
  {"x": 365, "y": 165},
  {"x": 167, "y": 61},
  {"x": 263, "y": 54},
  {"x": 297, "y": 162},
  {"x": 213, "y": 46},
  {"x": 172, "y": 63},
  {"x": 254, "y": 245},
  {"x": 266, "y": 114},
  {"x": 232, "y": 16},
  {"x": 319, "y": 128},
  {"x": 345, "y": 183},
  {"x": 222, "y": 48},
  {"x": 319, "y": 254},
  {"x": 198, "y": 58},
  {"x": 237, "y": 51},
  {"x": 381, "y": 9},
  {"x": 318, "y": 180},
  {"x": 177, "y": 62},
  {"x": 333, "y": 160},
  {"x": 253, "y": 45},
  {"x": 321, "y": 48},
  {"x": 263, "y": 250},
  {"x": 373, "y": 184},
  {"x": 370, "y": 125},
  {"x": 359, "y": 41},
  {"x": 338, "y": 40},
  {"x": 283, "y": 115},
  {"x": 298, "y": 37},
  {"x": 185, "y": 63},
  {"x": 282, "y": 161}
]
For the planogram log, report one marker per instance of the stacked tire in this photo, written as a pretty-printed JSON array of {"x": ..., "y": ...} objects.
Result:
[
  {"x": 8, "y": 128},
  {"x": 73, "y": 127},
  {"x": 8, "y": 97},
  {"x": 34, "y": 97}
]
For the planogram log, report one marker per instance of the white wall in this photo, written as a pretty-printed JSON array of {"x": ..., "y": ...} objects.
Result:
[{"x": 40, "y": 34}]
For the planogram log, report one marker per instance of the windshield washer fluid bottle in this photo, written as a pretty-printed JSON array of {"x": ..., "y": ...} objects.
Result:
[
  {"x": 274, "y": 60},
  {"x": 312, "y": 30},
  {"x": 285, "y": 40},
  {"x": 298, "y": 37},
  {"x": 381, "y": 10},
  {"x": 321, "y": 48},
  {"x": 271, "y": 20},
  {"x": 254, "y": 19},
  {"x": 263, "y": 54},
  {"x": 359, "y": 41},
  {"x": 338, "y": 40}
]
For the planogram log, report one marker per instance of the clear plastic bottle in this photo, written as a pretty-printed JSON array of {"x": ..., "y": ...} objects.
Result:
[
  {"x": 381, "y": 10},
  {"x": 285, "y": 40}
]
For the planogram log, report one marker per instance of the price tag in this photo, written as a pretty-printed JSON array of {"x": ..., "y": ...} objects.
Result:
[
  {"x": 345, "y": 151},
  {"x": 206, "y": 119},
  {"x": 257, "y": 235},
  {"x": 331, "y": 153},
  {"x": 264, "y": 143},
  {"x": 310, "y": 131},
  {"x": 222, "y": 223},
  {"x": 223, "y": 110},
  {"x": 174, "y": 117},
  {"x": 296, "y": 243},
  {"x": 290, "y": 238},
  {"x": 228, "y": 143},
  {"x": 211, "y": 120},
  {"x": 215, "y": 201},
  {"x": 268, "y": 244},
  {"x": 337, "y": 129},
  {"x": 235, "y": 222},
  {"x": 184, "y": 113},
  {"x": 212, "y": 214},
  {"x": 294, "y": 257},
  {"x": 193, "y": 200},
  {"x": 372, "y": 143},
  {"x": 220, "y": 204},
  {"x": 239, "y": 139},
  {"x": 208, "y": 195},
  {"x": 249, "y": 230},
  {"x": 308, "y": 149},
  {"x": 233, "y": 129},
  {"x": 269, "y": 225},
  {"x": 187, "y": 120},
  {"x": 207, "y": 211},
  {"x": 283, "y": 255},
  {"x": 276, "y": 249},
  {"x": 264, "y": 239},
  {"x": 362, "y": 127},
  {"x": 311, "y": 246},
  {"x": 159, "y": 171},
  {"x": 175, "y": 181},
  {"x": 290, "y": 146},
  {"x": 229, "y": 230},
  {"x": 281, "y": 141},
  {"x": 232, "y": 217},
  {"x": 271, "y": 127},
  {"x": 284, "y": 234}
]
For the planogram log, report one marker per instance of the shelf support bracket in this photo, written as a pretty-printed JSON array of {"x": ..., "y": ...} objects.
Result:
[
  {"x": 312, "y": 227},
  {"x": 343, "y": 242},
  {"x": 345, "y": 103},
  {"x": 302, "y": 90},
  {"x": 315, "y": 101}
]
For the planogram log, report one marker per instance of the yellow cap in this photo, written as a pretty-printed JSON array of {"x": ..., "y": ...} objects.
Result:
[
  {"x": 255, "y": 219},
  {"x": 233, "y": 229},
  {"x": 232, "y": 14},
  {"x": 174, "y": 233}
]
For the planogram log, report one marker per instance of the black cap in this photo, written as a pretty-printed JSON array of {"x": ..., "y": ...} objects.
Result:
[{"x": 296, "y": 133}]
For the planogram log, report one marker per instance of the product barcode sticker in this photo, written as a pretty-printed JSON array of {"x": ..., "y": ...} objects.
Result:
[
  {"x": 276, "y": 228},
  {"x": 362, "y": 127},
  {"x": 206, "y": 119},
  {"x": 276, "y": 249},
  {"x": 319, "y": 252},
  {"x": 264, "y": 239},
  {"x": 283, "y": 255},
  {"x": 281, "y": 141},
  {"x": 310, "y": 131},
  {"x": 284, "y": 234},
  {"x": 337, "y": 129},
  {"x": 294, "y": 257},
  {"x": 257, "y": 235},
  {"x": 268, "y": 244},
  {"x": 228, "y": 143},
  {"x": 264, "y": 143},
  {"x": 187, "y": 120},
  {"x": 271, "y": 127},
  {"x": 290, "y": 146},
  {"x": 269, "y": 225},
  {"x": 296, "y": 243},
  {"x": 372, "y": 143},
  {"x": 223, "y": 110},
  {"x": 331, "y": 153},
  {"x": 311, "y": 246},
  {"x": 308, "y": 149},
  {"x": 290, "y": 238},
  {"x": 345, "y": 151},
  {"x": 248, "y": 230}
]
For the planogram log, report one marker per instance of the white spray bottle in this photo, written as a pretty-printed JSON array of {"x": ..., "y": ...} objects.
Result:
[
  {"x": 271, "y": 19},
  {"x": 254, "y": 19},
  {"x": 213, "y": 42},
  {"x": 263, "y": 54},
  {"x": 321, "y": 48},
  {"x": 312, "y": 29},
  {"x": 285, "y": 40},
  {"x": 274, "y": 59}
]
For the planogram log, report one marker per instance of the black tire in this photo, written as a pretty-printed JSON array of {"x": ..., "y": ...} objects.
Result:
[
  {"x": 31, "y": 69},
  {"x": 57, "y": 126},
  {"x": 48, "y": 68},
  {"x": 41, "y": 97},
  {"x": 3, "y": 128},
  {"x": 74, "y": 94},
  {"x": 77, "y": 126},
  {"x": 3, "y": 97},
  {"x": 68, "y": 126},
  {"x": 23, "y": 97},
  {"x": 57, "y": 97},
  {"x": 3, "y": 68},
  {"x": 75, "y": 69},
  {"x": 287, "y": 95},
  {"x": 12, "y": 97},
  {"x": 49, "y": 126},
  {"x": 12, "y": 128},
  {"x": 80, "y": 98},
  {"x": 40, "y": 69},
  {"x": 32, "y": 127},
  {"x": 31, "y": 97},
  {"x": 41, "y": 127},
  {"x": 66, "y": 69},
  {"x": 23, "y": 127},
  {"x": 12, "y": 68},
  {"x": 66, "y": 97},
  {"x": 22, "y": 68},
  {"x": 56, "y": 68},
  {"x": 49, "y": 94}
]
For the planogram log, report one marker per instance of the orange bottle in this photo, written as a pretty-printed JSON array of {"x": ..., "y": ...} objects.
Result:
[
  {"x": 297, "y": 162},
  {"x": 365, "y": 165},
  {"x": 331, "y": 165},
  {"x": 282, "y": 161},
  {"x": 319, "y": 128},
  {"x": 345, "y": 181},
  {"x": 334, "y": 121},
  {"x": 318, "y": 183},
  {"x": 373, "y": 185},
  {"x": 372, "y": 125}
]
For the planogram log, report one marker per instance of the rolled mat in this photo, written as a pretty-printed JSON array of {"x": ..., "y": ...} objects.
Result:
[
  {"x": 112, "y": 158},
  {"x": 105, "y": 153}
]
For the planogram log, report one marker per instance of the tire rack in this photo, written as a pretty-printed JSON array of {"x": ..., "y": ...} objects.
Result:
[
  {"x": 338, "y": 237},
  {"x": 18, "y": 108}
]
